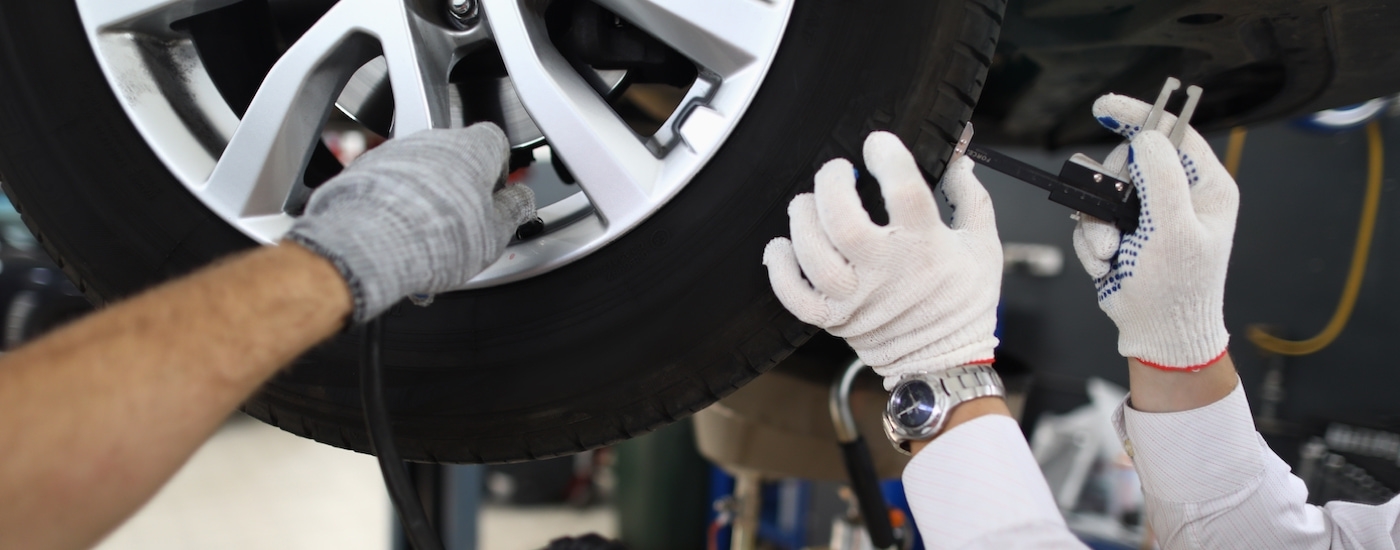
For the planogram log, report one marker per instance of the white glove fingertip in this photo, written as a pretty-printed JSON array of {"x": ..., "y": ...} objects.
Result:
[
  {"x": 1120, "y": 114},
  {"x": 803, "y": 201},
  {"x": 839, "y": 209},
  {"x": 777, "y": 251},
  {"x": 795, "y": 293},
  {"x": 824, "y": 266},
  {"x": 972, "y": 206},
  {"x": 837, "y": 171},
  {"x": 907, "y": 196},
  {"x": 1125, "y": 115},
  {"x": 1103, "y": 237},
  {"x": 1094, "y": 246}
]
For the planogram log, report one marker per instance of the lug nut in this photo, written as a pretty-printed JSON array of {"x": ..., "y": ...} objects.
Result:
[{"x": 463, "y": 12}]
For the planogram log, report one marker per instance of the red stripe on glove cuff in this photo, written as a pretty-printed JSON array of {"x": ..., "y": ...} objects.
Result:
[{"x": 1192, "y": 368}]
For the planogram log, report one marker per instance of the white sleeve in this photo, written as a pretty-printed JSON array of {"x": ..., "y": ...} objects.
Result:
[
  {"x": 1212, "y": 482},
  {"x": 977, "y": 486}
]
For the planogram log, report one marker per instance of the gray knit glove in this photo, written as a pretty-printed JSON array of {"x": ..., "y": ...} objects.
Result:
[{"x": 416, "y": 215}]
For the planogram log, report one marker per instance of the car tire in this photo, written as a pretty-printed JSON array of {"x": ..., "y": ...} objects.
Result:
[{"x": 669, "y": 318}]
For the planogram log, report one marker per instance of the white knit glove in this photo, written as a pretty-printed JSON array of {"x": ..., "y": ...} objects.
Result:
[
  {"x": 1164, "y": 284},
  {"x": 911, "y": 296}
]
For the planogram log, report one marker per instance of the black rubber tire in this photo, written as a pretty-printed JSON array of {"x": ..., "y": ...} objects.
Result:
[
  {"x": 661, "y": 323},
  {"x": 48, "y": 310}
]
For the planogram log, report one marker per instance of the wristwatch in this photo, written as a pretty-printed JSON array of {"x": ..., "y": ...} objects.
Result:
[{"x": 920, "y": 404}]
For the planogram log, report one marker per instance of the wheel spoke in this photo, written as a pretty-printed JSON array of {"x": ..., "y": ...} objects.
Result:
[
  {"x": 147, "y": 16},
  {"x": 418, "y": 55},
  {"x": 615, "y": 169},
  {"x": 724, "y": 36},
  {"x": 271, "y": 147}
]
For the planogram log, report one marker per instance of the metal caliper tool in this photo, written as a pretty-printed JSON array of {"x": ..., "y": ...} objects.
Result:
[{"x": 1083, "y": 184}]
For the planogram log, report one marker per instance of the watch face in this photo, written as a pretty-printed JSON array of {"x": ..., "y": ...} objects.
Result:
[{"x": 912, "y": 404}]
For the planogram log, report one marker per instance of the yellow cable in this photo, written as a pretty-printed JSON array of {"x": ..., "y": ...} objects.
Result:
[
  {"x": 1369, "y": 209},
  {"x": 1234, "y": 151}
]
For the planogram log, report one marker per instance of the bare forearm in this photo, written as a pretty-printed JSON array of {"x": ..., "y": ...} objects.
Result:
[
  {"x": 96, "y": 416},
  {"x": 1156, "y": 390}
]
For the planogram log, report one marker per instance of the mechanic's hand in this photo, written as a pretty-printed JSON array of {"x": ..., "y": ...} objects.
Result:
[
  {"x": 911, "y": 296},
  {"x": 416, "y": 215},
  {"x": 1164, "y": 284}
]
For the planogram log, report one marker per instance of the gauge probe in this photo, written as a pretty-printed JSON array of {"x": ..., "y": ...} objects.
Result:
[{"x": 1083, "y": 184}]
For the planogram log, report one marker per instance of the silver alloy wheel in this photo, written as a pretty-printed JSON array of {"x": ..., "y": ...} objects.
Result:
[{"x": 247, "y": 171}]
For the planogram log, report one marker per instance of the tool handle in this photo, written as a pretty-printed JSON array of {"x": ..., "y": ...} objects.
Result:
[{"x": 866, "y": 486}]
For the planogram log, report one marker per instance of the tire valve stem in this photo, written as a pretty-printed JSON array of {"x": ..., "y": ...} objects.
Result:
[{"x": 529, "y": 229}]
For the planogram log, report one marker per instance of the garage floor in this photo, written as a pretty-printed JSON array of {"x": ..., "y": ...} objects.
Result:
[{"x": 254, "y": 486}]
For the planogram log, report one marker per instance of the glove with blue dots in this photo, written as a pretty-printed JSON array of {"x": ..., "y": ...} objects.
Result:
[{"x": 1163, "y": 284}]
